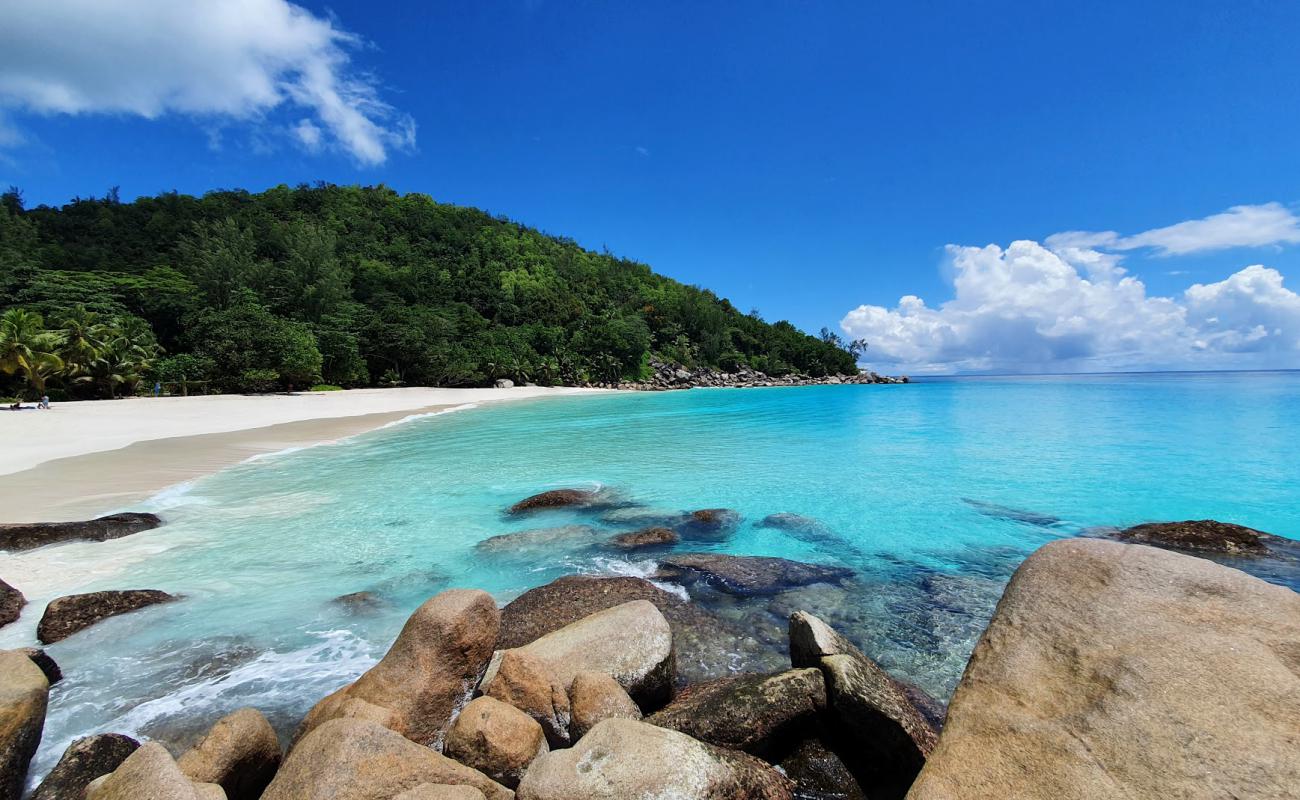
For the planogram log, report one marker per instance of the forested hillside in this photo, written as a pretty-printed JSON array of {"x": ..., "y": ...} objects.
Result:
[{"x": 344, "y": 285}]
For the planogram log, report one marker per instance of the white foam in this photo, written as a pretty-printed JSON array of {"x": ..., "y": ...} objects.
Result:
[{"x": 638, "y": 569}]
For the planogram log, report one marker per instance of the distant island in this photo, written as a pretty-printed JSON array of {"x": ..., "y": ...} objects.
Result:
[{"x": 347, "y": 286}]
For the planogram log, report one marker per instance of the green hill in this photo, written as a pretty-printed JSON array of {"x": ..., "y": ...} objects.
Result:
[{"x": 351, "y": 286}]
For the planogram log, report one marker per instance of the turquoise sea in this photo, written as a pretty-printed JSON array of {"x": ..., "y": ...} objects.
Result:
[{"x": 260, "y": 550}]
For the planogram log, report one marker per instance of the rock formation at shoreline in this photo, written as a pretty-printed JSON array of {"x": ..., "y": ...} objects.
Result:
[
  {"x": 11, "y": 603},
  {"x": 85, "y": 760},
  {"x": 665, "y": 376},
  {"x": 30, "y": 535},
  {"x": 76, "y": 612},
  {"x": 24, "y": 692},
  {"x": 1202, "y": 535}
]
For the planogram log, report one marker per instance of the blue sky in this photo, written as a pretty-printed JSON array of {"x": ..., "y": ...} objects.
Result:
[{"x": 811, "y": 160}]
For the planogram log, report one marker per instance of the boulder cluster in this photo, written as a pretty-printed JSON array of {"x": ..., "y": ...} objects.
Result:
[
  {"x": 665, "y": 376},
  {"x": 1109, "y": 670}
]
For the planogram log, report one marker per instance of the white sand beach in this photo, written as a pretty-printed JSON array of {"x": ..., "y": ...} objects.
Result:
[{"x": 86, "y": 458}]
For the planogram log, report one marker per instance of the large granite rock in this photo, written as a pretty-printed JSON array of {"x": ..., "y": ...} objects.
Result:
[
  {"x": 42, "y": 659},
  {"x": 149, "y": 773},
  {"x": 440, "y": 791},
  {"x": 11, "y": 603},
  {"x": 76, "y": 612},
  {"x": 84, "y": 761},
  {"x": 30, "y": 535},
  {"x": 594, "y": 697},
  {"x": 760, "y": 714},
  {"x": 428, "y": 673},
  {"x": 1201, "y": 535},
  {"x": 631, "y": 643},
  {"x": 1120, "y": 671},
  {"x": 645, "y": 538},
  {"x": 891, "y": 737},
  {"x": 621, "y": 759},
  {"x": 24, "y": 692},
  {"x": 352, "y": 759},
  {"x": 241, "y": 753},
  {"x": 529, "y": 684},
  {"x": 561, "y": 498},
  {"x": 496, "y": 739},
  {"x": 746, "y": 575},
  {"x": 707, "y": 646}
]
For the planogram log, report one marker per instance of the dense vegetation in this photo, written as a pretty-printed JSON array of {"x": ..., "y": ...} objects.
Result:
[{"x": 348, "y": 285}]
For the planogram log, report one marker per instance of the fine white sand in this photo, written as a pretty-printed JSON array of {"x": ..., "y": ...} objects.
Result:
[{"x": 81, "y": 459}]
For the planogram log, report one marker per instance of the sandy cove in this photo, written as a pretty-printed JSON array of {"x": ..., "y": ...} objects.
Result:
[{"x": 87, "y": 458}]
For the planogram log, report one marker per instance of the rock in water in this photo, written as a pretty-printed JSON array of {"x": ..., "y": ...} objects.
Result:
[
  {"x": 24, "y": 691},
  {"x": 1011, "y": 514},
  {"x": 747, "y": 575},
  {"x": 529, "y": 684},
  {"x": 149, "y": 773},
  {"x": 241, "y": 753},
  {"x": 11, "y": 603},
  {"x": 709, "y": 523},
  {"x": 427, "y": 674},
  {"x": 1200, "y": 535},
  {"x": 594, "y": 697},
  {"x": 76, "y": 612},
  {"x": 646, "y": 537},
  {"x": 542, "y": 539},
  {"x": 496, "y": 739},
  {"x": 892, "y": 737},
  {"x": 351, "y": 759},
  {"x": 559, "y": 498},
  {"x": 1121, "y": 671},
  {"x": 43, "y": 660},
  {"x": 621, "y": 759},
  {"x": 760, "y": 714},
  {"x": 631, "y": 643},
  {"x": 819, "y": 774},
  {"x": 84, "y": 761},
  {"x": 27, "y": 536}
]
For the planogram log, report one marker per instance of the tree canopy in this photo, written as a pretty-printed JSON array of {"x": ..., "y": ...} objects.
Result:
[{"x": 349, "y": 285}]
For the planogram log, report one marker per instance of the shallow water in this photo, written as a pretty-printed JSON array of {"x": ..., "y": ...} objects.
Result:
[{"x": 932, "y": 492}]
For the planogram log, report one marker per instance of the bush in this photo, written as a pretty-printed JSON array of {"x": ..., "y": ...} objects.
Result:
[{"x": 326, "y": 387}]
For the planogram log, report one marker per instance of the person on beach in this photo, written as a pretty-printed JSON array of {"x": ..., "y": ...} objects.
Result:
[
  {"x": 157, "y": 389},
  {"x": 45, "y": 402}
]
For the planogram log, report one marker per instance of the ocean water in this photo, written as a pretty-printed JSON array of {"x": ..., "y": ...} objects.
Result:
[{"x": 932, "y": 493}]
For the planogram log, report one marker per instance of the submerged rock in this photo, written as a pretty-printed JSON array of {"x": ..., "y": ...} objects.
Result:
[
  {"x": 562, "y": 498},
  {"x": 149, "y": 773},
  {"x": 803, "y": 527},
  {"x": 644, "y": 538},
  {"x": 1011, "y": 514},
  {"x": 24, "y": 692},
  {"x": 594, "y": 696},
  {"x": 639, "y": 516},
  {"x": 30, "y": 535},
  {"x": 11, "y": 603},
  {"x": 240, "y": 753},
  {"x": 760, "y": 714},
  {"x": 76, "y": 612},
  {"x": 352, "y": 759},
  {"x": 1201, "y": 535},
  {"x": 84, "y": 761},
  {"x": 496, "y": 739},
  {"x": 891, "y": 737},
  {"x": 1118, "y": 671},
  {"x": 359, "y": 602},
  {"x": 427, "y": 674},
  {"x": 621, "y": 759},
  {"x": 529, "y": 684},
  {"x": 709, "y": 523},
  {"x": 631, "y": 643},
  {"x": 747, "y": 575},
  {"x": 542, "y": 538},
  {"x": 706, "y": 646}
]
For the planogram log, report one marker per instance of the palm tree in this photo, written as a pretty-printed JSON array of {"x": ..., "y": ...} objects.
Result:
[
  {"x": 28, "y": 348},
  {"x": 83, "y": 340},
  {"x": 127, "y": 351}
]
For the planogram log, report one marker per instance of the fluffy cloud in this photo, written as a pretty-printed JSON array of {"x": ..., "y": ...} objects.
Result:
[
  {"x": 1068, "y": 306},
  {"x": 235, "y": 59},
  {"x": 1239, "y": 226}
]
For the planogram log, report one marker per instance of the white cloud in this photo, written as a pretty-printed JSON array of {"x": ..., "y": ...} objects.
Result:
[
  {"x": 234, "y": 59},
  {"x": 1239, "y": 226},
  {"x": 1070, "y": 307}
]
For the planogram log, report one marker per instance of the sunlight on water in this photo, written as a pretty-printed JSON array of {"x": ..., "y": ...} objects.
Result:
[{"x": 932, "y": 493}]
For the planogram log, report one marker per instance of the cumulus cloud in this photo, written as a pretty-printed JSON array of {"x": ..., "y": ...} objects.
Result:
[
  {"x": 235, "y": 59},
  {"x": 1069, "y": 306}
]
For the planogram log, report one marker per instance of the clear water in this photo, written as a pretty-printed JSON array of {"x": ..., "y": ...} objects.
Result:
[{"x": 260, "y": 550}]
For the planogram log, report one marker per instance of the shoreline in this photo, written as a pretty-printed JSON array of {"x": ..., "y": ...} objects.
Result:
[{"x": 89, "y": 458}]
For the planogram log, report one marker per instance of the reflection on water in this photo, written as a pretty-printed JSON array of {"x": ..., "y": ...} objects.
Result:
[{"x": 931, "y": 493}]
